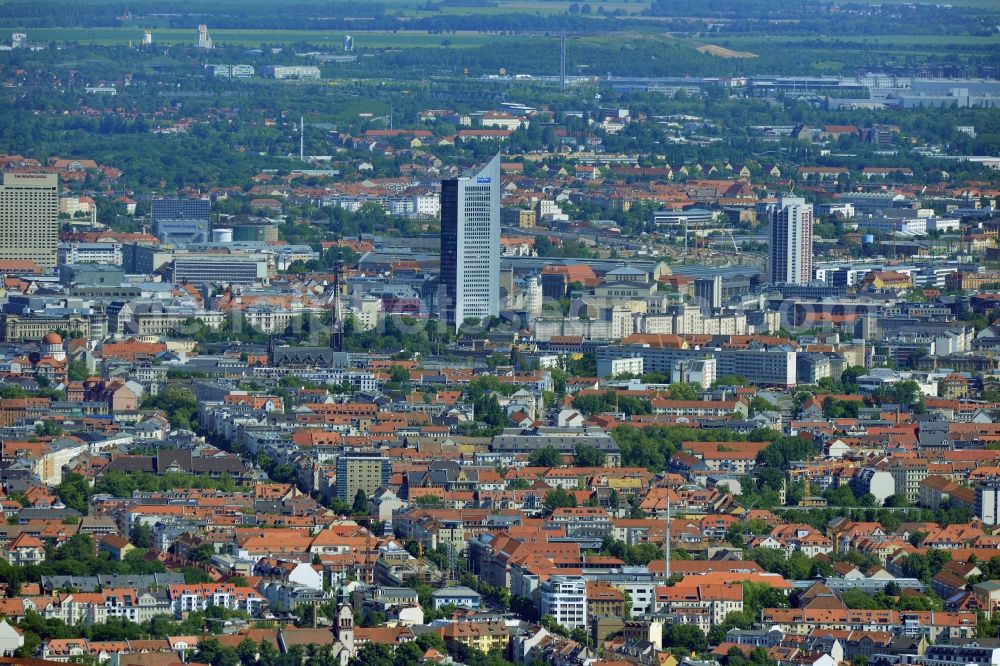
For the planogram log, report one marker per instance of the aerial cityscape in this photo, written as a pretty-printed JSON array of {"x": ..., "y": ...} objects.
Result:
[{"x": 500, "y": 333}]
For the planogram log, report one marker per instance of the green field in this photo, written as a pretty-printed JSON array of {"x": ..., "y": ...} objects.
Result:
[
  {"x": 977, "y": 4},
  {"x": 110, "y": 36},
  {"x": 542, "y": 7},
  {"x": 864, "y": 40},
  {"x": 888, "y": 45}
]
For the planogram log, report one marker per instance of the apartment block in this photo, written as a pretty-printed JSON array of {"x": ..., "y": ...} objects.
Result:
[{"x": 367, "y": 472}]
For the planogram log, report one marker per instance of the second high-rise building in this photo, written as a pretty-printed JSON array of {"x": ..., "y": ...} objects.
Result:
[
  {"x": 792, "y": 242},
  {"x": 29, "y": 218},
  {"x": 470, "y": 246}
]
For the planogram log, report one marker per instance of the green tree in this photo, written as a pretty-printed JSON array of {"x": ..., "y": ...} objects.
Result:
[
  {"x": 179, "y": 403},
  {"x": 48, "y": 429},
  {"x": 683, "y": 391},
  {"x": 588, "y": 455},
  {"x": 857, "y": 599},
  {"x": 212, "y": 652},
  {"x": 686, "y": 636},
  {"x": 77, "y": 371},
  {"x": 782, "y": 452},
  {"x": 195, "y": 576},
  {"x": 74, "y": 492},
  {"x": 906, "y": 393},
  {"x": 430, "y": 640},
  {"x": 547, "y": 456},
  {"x": 558, "y": 498},
  {"x": 373, "y": 654},
  {"x": 201, "y": 554},
  {"x": 400, "y": 377},
  {"x": 360, "y": 502},
  {"x": 141, "y": 535},
  {"x": 732, "y": 380},
  {"x": 247, "y": 652}
]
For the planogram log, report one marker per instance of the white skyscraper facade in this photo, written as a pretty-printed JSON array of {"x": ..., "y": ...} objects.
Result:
[
  {"x": 792, "y": 242},
  {"x": 470, "y": 246},
  {"x": 29, "y": 218}
]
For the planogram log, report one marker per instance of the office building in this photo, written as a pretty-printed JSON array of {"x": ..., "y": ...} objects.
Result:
[
  {"x": 29, "y": 218},
  {"x": 180, "y": 209},
  {"x": 181, "y": 221},
  {"x": 988, "y": 502},
  {"x": 792, "y": 242},
  {"x": 565, "y": 599},
  {"x": 71, "y": 254},
  {"x": 708, "y": 293},
  {"x": 300, "y": 72},
  {"x": 182, "y": 232},
  {"x": 692, "y": 217},
  {"x": 358, "y": 471},
  {"x": 225, "y": 268},
  {"x": 470, "y": 246},
  {"x": 230, "y": 71},
  {"x": 762, "y": 367}
]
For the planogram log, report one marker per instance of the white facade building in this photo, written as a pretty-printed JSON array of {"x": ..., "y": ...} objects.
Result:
[
  {"x": 565, "y": 599},
  {"x": 470, "y": 246},
  {"x": 70, "y": 254},
  {"x": 988, "y": 503},
  {"x": 792, "y": 242}
]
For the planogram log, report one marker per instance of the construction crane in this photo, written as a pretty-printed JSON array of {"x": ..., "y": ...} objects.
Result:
[
  {"x": 387, "y": 118},
  {"x": 736, "y": 248}
]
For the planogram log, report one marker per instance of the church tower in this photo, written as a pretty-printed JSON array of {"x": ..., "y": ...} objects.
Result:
[{"x": 345, "y": 628}]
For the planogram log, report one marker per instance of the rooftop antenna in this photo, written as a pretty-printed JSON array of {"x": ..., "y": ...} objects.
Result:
[
  {"x": 336, "y": 331},
  {"x": 302, "y": 138},
  {"x": 562, "y": 61}
]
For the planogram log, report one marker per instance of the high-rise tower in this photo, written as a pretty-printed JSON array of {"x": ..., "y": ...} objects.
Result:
[
  {"x": 29, "y": 218},
  {"x": 470, "y": 246},
  {"x": 792, "y": 242}
]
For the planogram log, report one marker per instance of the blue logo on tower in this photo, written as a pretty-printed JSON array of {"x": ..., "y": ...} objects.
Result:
[{"x": 484, "y": 180}]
